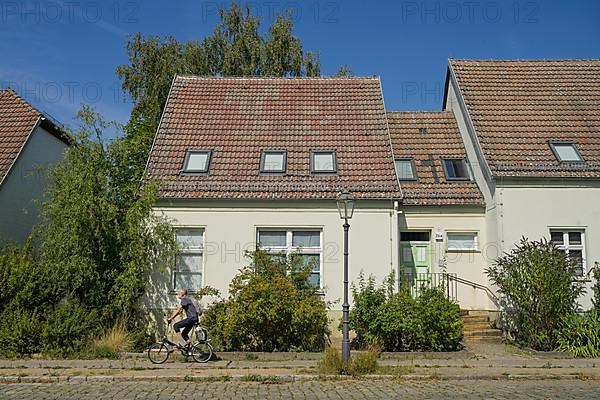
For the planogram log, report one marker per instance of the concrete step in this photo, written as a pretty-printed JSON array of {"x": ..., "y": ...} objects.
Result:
[
  {"x": 482, "y": 339},
  {"x": 483, "y": 332},
  {"x": 476, "y": 326},
  {"x": 475, "y": 319}
]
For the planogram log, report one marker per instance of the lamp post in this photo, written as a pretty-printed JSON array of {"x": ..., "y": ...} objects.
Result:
[{"x": 345, "y": 204}]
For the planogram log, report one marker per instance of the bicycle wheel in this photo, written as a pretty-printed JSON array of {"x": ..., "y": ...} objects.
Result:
[
  {"x": 158, "y": 353},
  {"x": 202, "y": 352}
]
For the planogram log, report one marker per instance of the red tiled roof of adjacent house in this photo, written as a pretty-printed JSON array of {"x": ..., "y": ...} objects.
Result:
[
  {"x": 518, "y": 107},
  {"x": 237, "y": 118},
  {"x": 17, "y": 120},
  {"x": 426, "y": 138}
]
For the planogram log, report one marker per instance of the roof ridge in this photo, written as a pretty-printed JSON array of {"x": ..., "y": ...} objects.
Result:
[
  {"x": 525, "y": 59},
  {"x": 290, "y": 78}
]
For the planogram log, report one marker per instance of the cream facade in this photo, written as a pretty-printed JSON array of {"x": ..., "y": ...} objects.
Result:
[{"x": 230, "y": 228}]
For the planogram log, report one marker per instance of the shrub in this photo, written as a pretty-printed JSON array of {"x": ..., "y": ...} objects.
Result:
[
  {"x": 362, "y": 363},
  {"x": 596, "y": 286},
  {"x": 580, "y": 335},
  {"x": 541, "y": 288},
  {"x": 398, "y": 322},
  {"x": 271, "y": 307}
]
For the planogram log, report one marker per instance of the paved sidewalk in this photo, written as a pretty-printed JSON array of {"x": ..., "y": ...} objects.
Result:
[{"x": 478, "y": 361}]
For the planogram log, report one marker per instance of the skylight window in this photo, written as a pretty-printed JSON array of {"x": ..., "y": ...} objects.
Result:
[
  {"x": 566, "y": 152},
  {"x": 405, "y": 169},
  {"x": 273, "y": 161},
  {"x": 197, "y": 161},
  {"x": 323, "y": 161},
  {"x": 456, "y": 169}
]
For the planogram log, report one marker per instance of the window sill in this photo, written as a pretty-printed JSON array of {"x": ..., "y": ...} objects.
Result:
[{"x": 462, "y": 251}]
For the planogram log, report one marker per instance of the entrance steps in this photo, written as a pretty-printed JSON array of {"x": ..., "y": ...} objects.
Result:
[{"x": 478, "y": 327}]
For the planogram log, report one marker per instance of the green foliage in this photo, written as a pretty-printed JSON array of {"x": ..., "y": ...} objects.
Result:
[
  {"x": 580, "y": 335},
  {"x": 398, "y": 322},
  {"x": 94, "y": 249},
  {"x": 271, "y": 307},
  {"x": 596, "y": 286},
  {"x": 362, "y": 363},
  {"x": 541, "y": 288}
]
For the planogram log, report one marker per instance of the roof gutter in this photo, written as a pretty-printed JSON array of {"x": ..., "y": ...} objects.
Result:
[{"x": 387, "y": 127}]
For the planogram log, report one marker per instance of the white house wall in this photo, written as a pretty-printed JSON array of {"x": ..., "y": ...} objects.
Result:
[
  {"x": 531, "y": 211},
  {"x": 25, "y": 183},
  {"x": 230, "y": 228},
  {"x": 468, "y": 265}
]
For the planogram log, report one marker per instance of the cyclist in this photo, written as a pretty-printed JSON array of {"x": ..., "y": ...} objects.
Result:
[{"x": 191, "y": 313}]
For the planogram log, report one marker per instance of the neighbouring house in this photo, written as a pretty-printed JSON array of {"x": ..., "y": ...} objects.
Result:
[
  {"x": 259, "y": 161},
  {"x": 532, "y": 135},
  {"x": 29, "y": 143},
  {"x": 441, "y": 219}
]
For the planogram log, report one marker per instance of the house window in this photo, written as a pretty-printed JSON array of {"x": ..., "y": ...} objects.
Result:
[
  {"x": 572, "y": 243},
  {"x": 456, "y": 169},
  {"x": 461, "y": 241},
  {"x": 566, "y": 152},
  {"x": 273, "y": 161},
  {"x": 405, "y": 168},
  {"x": 197, "y": 161},
  {"x": 189, "y": 260},
  {"x": 305, "y": 243},
  {"x": 323, "y": 161}
]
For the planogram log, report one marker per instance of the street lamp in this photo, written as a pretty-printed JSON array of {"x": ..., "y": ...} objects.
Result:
[{"x": 345, "y": 204}]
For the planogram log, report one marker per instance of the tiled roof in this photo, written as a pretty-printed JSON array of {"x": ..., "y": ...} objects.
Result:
[
  {"x": 426, "y": 138},
  {"x": 517, "y": 107},
  {"x": 17, "y": 120},
  {"x": 236, "y": 118}
]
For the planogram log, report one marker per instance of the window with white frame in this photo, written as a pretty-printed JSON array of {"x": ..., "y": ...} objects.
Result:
[
  {"x": 572, "y": 243},
  {"x": 306, "y": 243},
  {"x": 323, "y": 162},
  {"x": 197, "y": 161},
  {"x": 461, "y": 241},
  {"x": 189, "y": 262}
]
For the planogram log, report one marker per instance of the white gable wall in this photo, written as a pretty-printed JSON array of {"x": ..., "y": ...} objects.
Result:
[{"x": 25, "y": 183}]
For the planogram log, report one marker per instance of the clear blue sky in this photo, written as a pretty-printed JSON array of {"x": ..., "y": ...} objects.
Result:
[{"x": 60, "y": 54}]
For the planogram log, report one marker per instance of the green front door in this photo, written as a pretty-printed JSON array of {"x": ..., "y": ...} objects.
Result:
[{"x": 415, "y": 260}]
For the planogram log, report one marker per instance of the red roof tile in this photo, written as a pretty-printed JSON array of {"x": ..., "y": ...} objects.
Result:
[
  {"x": 17, "y": 120},
  {"x": 236, "y": 118},
  {"x": 517, "y": 107},
  {"x": 426, "y": 138}
]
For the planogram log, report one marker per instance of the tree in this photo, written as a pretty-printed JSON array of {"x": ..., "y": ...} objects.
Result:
[
  {"x": 541, "y": 289},
  {"x": 235, "y": 48},
  {"x": 98, "y": 240}
]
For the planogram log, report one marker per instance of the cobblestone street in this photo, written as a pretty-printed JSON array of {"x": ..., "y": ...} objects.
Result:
[{"x": 343, "y": 389}]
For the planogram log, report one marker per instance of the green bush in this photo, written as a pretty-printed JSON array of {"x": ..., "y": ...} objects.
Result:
[
  {"x": 580, "y": 335},
  {"x": 541, "y": 289},
  {"x": 271, "y": 307},
  {"x": 398, "y": 322}
]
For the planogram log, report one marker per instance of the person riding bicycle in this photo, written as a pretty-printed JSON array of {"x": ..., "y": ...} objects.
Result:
[{"x": 192, "y": 314}]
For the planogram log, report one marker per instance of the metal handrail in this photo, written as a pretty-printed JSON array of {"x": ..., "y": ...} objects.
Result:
[{"x": 486, "y": 289}]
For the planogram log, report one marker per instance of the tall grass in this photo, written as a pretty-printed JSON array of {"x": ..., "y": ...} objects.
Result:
[
  {"x": 362, "y": 363},
  {"x": 113, "y": 341}
]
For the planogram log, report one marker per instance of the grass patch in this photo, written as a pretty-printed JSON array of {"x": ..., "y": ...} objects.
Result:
[
  {"x": 395, "y": 370},
  {"x": 361, "y": 364},
  {"x": 113, "y": 341},
  {"x": 261, "y": 379},
  {"x": 250, "y": 356}
]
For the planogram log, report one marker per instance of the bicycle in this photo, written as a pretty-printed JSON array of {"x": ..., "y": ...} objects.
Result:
[{"x": 201, "y": 350}]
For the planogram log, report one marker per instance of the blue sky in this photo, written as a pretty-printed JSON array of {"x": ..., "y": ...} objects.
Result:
[{"x": 60, "y": 54}]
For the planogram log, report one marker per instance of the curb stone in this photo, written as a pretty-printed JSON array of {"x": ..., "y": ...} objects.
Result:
[{"x": 257, "y": 378}]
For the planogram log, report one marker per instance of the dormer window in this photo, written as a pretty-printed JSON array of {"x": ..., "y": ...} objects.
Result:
[
  {"x": 456, "y": 169},
  {"x": 405, "y": 168},
  {"x": 273, "y": 161},
  {"x": 323, "y": 162},
  {"x": 197, "y": 161},
  {"x": 566, "y": 152}
]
